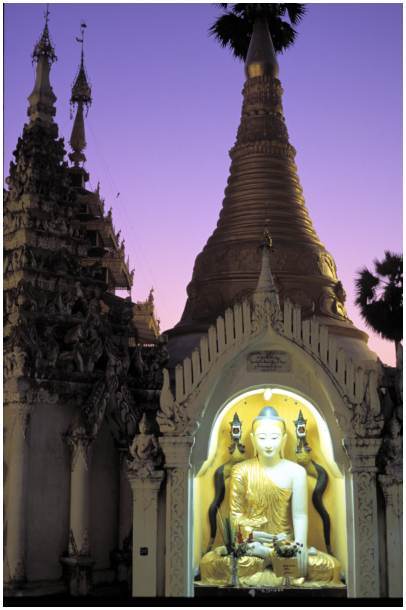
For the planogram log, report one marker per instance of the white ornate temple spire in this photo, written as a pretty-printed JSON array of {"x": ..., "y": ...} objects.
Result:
[
  {"x": 265, "y": 298},
  {"x": 265, "y": 280},
  {"x": 261, "y": 58},
  {"x": 82, "y": 97},
  {"x": 42, "y": 98}
]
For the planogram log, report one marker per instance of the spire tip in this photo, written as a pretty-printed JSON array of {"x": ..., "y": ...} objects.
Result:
[
  {"x": 44, "y": 47},
  {"x": 261, "y": 58},
  {"x": 82, "y": 97}
]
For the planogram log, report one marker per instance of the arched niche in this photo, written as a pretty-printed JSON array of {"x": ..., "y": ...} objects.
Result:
[
  {"x": 306, "y": 378},
  {"x": 247, "y": 404},
  {"x": 342, "y": 392}
]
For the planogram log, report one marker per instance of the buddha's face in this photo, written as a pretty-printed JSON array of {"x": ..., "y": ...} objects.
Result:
[{"x": 268, "y": 438}]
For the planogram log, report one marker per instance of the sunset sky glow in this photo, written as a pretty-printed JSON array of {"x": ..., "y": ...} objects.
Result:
[{"x": 167, "y": 104}]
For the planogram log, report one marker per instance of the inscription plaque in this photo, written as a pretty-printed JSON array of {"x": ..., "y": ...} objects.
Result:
[{"x": 269, "y": 361}]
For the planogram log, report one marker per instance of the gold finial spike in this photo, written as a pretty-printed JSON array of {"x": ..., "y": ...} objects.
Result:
[
  {"x": 82, "y": 97},
  {"x": 42, "y": 99},
  {"x": 44, "y": 47},
  {"x": 83, "y": 27},
  {"x": 81, "y": 90},
  {"x": 261, "y": 58}
]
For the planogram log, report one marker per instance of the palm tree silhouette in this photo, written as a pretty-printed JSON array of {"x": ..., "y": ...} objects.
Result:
[
  {"x": 380, "y": 297},
  {"x": 234, "y": 27}
]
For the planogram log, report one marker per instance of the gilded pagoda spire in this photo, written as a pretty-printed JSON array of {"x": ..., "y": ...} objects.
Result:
[
  {"x": 261, "y": 57},
  {"x": 263, "y": 187},
  {"x": 42, "y": 99},
  {"x": 82, "y": 97}
]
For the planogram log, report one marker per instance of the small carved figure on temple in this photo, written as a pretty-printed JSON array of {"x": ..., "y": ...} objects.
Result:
[
  {"x": 94, "y": 301},
  {"x": 93, "y": 349},
  {"x": 79, "y": 301},
  {"x": 124, "y": 413},
  {"x": 8, "y": 364},
  {"x": 393, "y": 444},
  {"x": 64, "y": 301},
  {"x": 9, "y": 299},
  {"x": 47, "y": 354},
  {"x": 73, "y": 339},
  {"x": 21, "y": 297},
  {"x": 61, "y": 226},
  {"x": 137, "y": 362},
  {"x": 15, "y": 260},
  {"x": 145, "y": 450}
]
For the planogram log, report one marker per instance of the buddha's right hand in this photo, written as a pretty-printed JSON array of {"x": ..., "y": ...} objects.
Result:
[{"x": 256, "y": 549}]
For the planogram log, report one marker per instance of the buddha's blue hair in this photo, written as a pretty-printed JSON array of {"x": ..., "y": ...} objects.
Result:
[{"x": 268, "y": 414}]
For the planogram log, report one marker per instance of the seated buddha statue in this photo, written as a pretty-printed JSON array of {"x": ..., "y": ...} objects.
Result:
[{"x": 268, "y": 506}]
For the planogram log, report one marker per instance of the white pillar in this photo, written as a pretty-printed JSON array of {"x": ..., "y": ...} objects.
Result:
[
  {"x": 179, "y": 526},
  {"x": 79, "y": 563},
  {"x": 362, "y": 518},
  {"x": 145, "y": 525},
  {"x": 16, "y": 521},
  {"x": 392, "y": 490},
  {"x": 122, "y": 556},
  {"x": 124, "y": 519}
]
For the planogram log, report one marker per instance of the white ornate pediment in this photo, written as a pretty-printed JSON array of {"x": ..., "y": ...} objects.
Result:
[{"x": 243, "y": 325}]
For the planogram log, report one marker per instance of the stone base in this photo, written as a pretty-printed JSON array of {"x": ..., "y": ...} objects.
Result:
[
  {"x": 35, "y": 589},
  {"x": 59, "y": 596},
  {"x": 77, "y": 572},
  {"x": 207, "y": 592}
]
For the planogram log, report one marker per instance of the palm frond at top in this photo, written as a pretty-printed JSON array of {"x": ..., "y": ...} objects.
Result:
[{"x": 233, "y": 29}]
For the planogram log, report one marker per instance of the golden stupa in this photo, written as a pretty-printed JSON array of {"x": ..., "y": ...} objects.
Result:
[{"x": 263, "y": 191}]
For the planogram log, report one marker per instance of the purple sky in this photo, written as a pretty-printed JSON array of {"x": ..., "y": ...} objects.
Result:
[{"x": 167, "y": 102}]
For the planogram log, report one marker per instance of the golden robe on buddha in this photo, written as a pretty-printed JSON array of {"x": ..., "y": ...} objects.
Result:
[{"x": 256, "y": 503}]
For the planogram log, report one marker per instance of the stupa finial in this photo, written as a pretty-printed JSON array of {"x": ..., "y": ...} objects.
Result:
[
  {"x": 42, "y": 99},
  {"x": 261, "y": 58},
  {"x": 265, "y": 281},
  {"x": 44, "y": 47},
  {"x": 266, "y": 297},
  {"x": 82, "y": 97}
]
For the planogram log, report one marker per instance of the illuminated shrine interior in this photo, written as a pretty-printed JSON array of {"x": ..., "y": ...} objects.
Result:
[{"x": 288, "y": 404}]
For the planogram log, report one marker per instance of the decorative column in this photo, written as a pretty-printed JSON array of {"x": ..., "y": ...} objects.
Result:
[
  {"x": 362, "y": 518},
  {"x": 179, "y": 527},
  {"x": 78, "y": 563},
  {"x": 16, "y": 521},
  {"x": 121, "y": 556},
  {"x": 392, "y": 489},
  {"x": 145, "y": 524}
]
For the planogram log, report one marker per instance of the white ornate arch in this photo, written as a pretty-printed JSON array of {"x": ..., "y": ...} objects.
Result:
[
  {"x": 350, "y": 387},
  {"x": 344, "y": 391}
]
